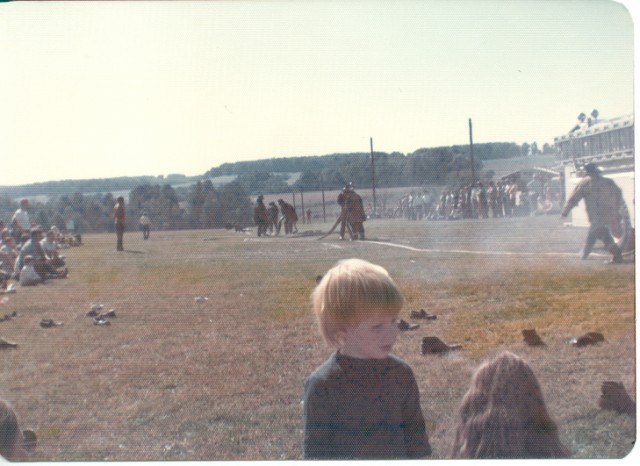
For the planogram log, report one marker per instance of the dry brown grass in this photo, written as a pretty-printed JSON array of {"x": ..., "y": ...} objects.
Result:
[{"x": 173, "y": 379}]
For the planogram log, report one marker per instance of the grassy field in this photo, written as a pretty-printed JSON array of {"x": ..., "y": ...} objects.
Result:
[{"x": 172, "y": 379}]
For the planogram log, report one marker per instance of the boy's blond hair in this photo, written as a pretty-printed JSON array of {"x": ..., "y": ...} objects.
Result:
[{"x": 350, "y": 292}]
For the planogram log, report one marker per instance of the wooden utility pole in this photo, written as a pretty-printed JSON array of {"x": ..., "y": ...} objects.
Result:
[
  {"x": 373, "y": 175},
  {"x": 473, "y": 168},
  {"x": 324, "y": 207},
  {"x": 304, "y": 217}
]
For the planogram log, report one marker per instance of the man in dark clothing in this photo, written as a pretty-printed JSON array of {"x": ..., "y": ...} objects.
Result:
[
  {"x": 260, "y": 216},
  {"x": 119, "y": 217},
  {"x": 343, "y": 213},
  {"x": 272, "y": 212},
  {"x": 602, "y": 198},
  {"x": 355, "y": 214},
  {"x": 290, "y": 216}
]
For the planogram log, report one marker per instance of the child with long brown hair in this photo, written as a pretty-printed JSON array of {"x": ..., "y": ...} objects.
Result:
[
  {"x": 503, "y": 415},
  {"x": 15, "y": 444}
]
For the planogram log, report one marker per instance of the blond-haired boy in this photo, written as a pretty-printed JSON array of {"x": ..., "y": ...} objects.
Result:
[{"x": 362, "y": 402}]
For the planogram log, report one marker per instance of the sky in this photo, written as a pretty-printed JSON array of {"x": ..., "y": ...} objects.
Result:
[{"x": 106, "y": 89}]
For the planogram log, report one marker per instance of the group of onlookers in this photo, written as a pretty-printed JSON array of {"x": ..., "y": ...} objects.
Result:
[
  {"x": 501, "y": 199},
  {"x": 27, "y": 254}
]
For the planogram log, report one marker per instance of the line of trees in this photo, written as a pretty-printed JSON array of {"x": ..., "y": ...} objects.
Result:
[
  {"x": 199, "y": 206},
  {"x": 426, "y": 166},
  {"x": 203, "y": 205}
]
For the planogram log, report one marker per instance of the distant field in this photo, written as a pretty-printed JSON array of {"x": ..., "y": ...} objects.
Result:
[{"x": 173, "y": 379}]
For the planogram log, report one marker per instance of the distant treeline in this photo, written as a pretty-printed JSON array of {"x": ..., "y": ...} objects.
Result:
[
  {"x": 440, "y": 166},
  {"x": 200, "y": 205},
  {"x": 97, "y": 185},
  {"x": 180, "y": 202}
]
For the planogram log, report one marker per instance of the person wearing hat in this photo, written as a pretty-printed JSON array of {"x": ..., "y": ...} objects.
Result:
[
  {"x": 260, "y": 216},
  {"x": 15, "y": 444},
  {"x": 355, "y": 214},
  {"x": 602, "y": 198}
]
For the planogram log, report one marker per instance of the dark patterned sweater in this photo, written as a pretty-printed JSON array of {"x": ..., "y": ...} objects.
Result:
[{"x": 363, "y": 408}]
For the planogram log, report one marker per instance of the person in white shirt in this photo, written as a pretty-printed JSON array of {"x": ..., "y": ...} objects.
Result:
[
  {"x": 50, "y": 248},
  {"x": 21, "y": 216},
  {"x": 28, "y": 274}
]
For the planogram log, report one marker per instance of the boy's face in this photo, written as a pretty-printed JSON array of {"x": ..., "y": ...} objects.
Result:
[{"x": 372, "y": 338}]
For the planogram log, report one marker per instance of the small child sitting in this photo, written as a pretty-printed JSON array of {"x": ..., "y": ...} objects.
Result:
[
  {"x": 362, "y": 402},
  {"x": 28, "y": 274}
]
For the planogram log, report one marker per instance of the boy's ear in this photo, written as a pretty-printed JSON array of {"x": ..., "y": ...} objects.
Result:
[{"x": 341, "y": 333}]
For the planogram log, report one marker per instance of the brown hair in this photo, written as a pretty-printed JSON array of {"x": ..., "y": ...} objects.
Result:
[
  {"x": 503, "y": 415},
  {"x": 350, "y": 292},
  {"x": 9, "y": 429}
]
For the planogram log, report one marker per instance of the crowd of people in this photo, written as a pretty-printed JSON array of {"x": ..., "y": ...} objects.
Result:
[
  {"x": 28, "y": 255},
  {"x": 495, "y": 199}
]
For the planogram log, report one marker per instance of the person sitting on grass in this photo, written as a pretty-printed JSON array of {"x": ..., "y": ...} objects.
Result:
[
  {"x": 41, "y": 263},
  {"x": 50, "y": 247},
  {"x": 362, "y": 402},
  {"x": 503, "y": 415},
  {"x": 28, "y": 274},
  {"x": 15, "y": 444}
]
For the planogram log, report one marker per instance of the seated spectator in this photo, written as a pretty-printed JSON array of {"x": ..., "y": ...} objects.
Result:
[
  {"x": 503, "y": 415},
  {"x": 28, "y": 274},
  {"x": 8, "y": 255},
  {"x": 41, "y": 262},
  {"x": 15, "y": 444},
  {"x": 50, "y": 247}
]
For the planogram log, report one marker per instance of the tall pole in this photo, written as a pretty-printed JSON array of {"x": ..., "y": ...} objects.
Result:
[
  {"x": 304, "y": 217},
  {"x": 473, "y": 168},
  {"x": 324, "y": 207},
  {"x": 373, "y": 175}
]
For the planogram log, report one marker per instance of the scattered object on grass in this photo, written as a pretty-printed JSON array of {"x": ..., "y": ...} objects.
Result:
[
  {"x": 94, "y": 310},
  {"x": 201, "y": 299},
  {"x": 422, "y": 314},
  {"x": 615, "y": 397},
  {"x": 433, "y": 345},
  {"x": 100, "y": 321},
  {"x": 9, "y": 316},
  {"x": 48, "y": 323},
  {"x": 589, "y": 338},
  {"x": 7, "y": 344},
  {"x": 403, "y": 325},
  {"x": 532, "y": 338},
  {"x": 109, "y": 313}
]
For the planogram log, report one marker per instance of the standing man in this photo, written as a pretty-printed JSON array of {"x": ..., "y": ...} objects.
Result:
[
  {"x": 20, "y": 221},
  {"x": 602, "y": 198},
  {"x": 273, "y": 213},
  {"x": 343, "y": 213},
  {"x": 355, "y": 212},
  {"x": 260, "y": 216},
  {"x": 118, "y": 216},
  {"x": 145, "y": 225},
  {"x": 290, "y": 216}
]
